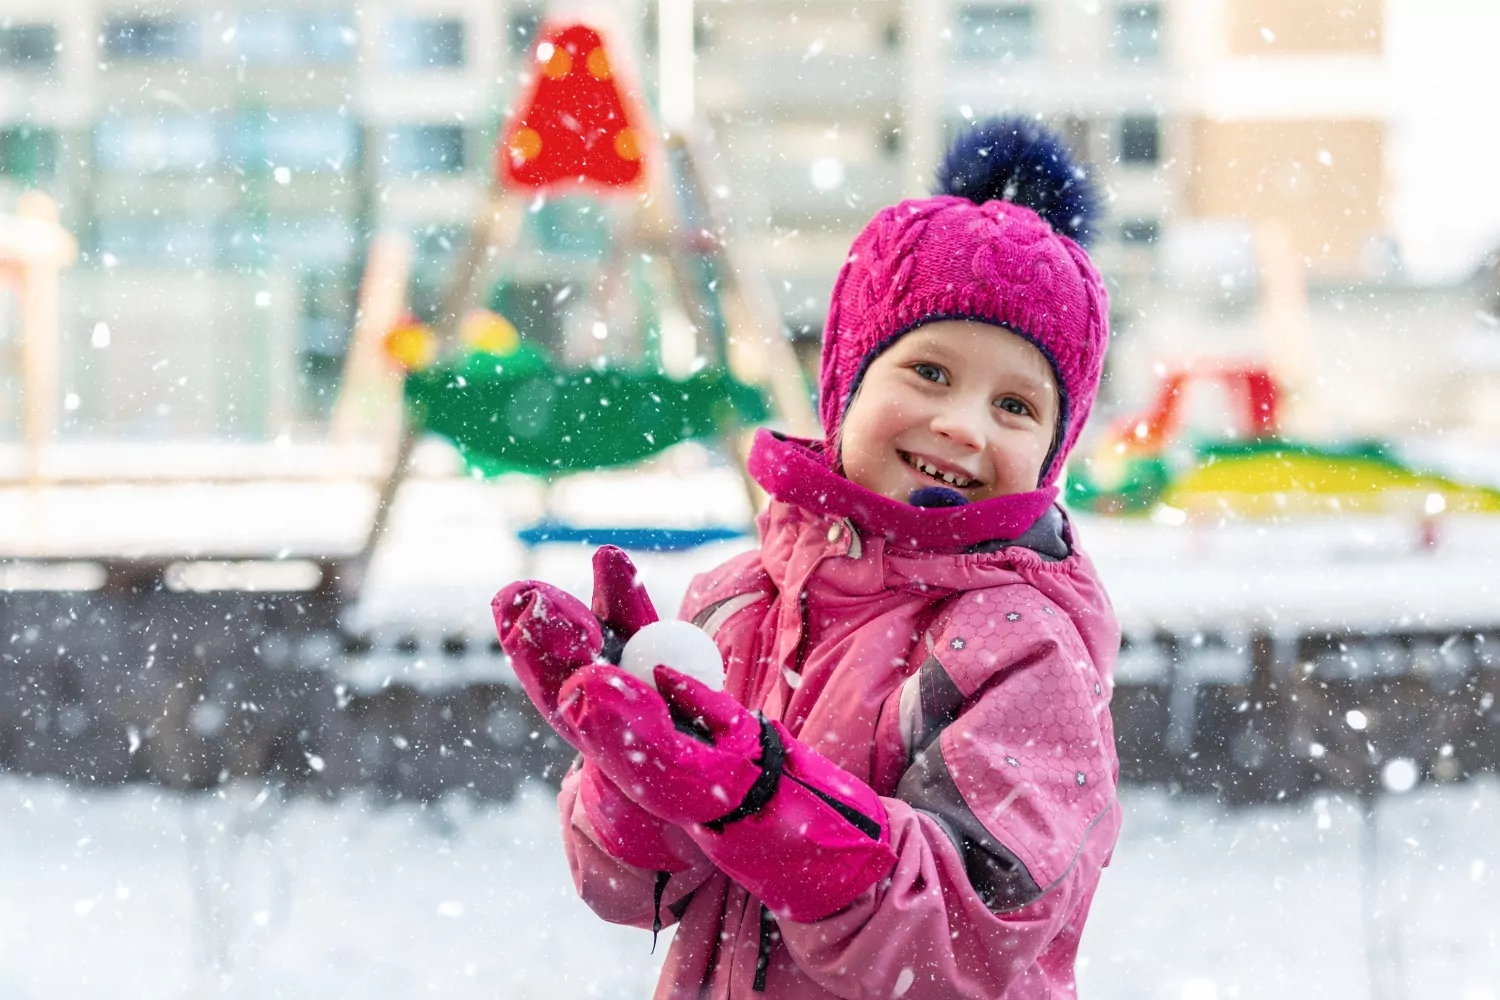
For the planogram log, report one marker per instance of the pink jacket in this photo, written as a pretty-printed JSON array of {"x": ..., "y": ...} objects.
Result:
[{"x": 970, "y": 689}]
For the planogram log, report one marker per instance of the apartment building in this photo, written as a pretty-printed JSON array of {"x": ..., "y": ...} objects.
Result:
[
  {"x": 223, "y": 167},
  {"x": 828, "y": 110},
  {"x": 1284, "y": 111}
]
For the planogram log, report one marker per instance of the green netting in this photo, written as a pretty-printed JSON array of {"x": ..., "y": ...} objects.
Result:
[{"x": 517, "y": 413}]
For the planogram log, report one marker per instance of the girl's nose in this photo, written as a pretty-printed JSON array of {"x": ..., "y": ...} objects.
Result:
[{"x": 958, "y": 424}]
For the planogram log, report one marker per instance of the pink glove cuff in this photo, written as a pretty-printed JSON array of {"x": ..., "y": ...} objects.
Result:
[{"x": 807, "y": 841}]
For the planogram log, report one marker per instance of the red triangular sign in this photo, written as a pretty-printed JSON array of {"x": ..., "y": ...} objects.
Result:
[{"x": 574, "y": 127}]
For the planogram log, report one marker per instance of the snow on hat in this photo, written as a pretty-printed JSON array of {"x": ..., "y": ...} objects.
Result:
[{"x": 999, "y": 243}]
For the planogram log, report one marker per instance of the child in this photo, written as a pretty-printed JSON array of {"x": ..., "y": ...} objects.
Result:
[{"x": 907, "y": 785}]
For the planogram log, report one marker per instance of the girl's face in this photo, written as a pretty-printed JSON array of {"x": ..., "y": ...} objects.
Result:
[{"x": 956, "y": 403}]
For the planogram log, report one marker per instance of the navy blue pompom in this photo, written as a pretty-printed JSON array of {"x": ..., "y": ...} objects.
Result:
[
  {"x": 936, "y": 496},
  {"x": 1016, "y": 160}
]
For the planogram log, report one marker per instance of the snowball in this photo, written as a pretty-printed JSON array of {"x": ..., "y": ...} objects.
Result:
[{"x": 682, "y": 646}]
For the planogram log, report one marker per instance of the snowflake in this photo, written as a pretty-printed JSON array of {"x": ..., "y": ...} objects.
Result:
[
  {"x": 1013, "y": 616},
  {"x": 1081, "y": 778},
  {"x": 957, "y": 643},
  {"x": 1012, "y": 762}
]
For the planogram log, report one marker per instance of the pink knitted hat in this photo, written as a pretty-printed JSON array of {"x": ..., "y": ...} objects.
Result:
[{"x": 1000, "y": 245}]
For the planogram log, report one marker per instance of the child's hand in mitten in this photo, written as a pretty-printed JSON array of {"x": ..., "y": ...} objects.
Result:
[
  {"x": 548, "y": 634},
  {"x": 630, "y": 730},
  {"x": 803, "y": 835},
  {"x": 628, "y": 832}
]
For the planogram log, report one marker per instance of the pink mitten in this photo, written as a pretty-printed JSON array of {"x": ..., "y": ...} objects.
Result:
[
  {"x": 629, "y": 832},
  {"x": 548, "y": 635},
  {"x": 802, "y": 834}
]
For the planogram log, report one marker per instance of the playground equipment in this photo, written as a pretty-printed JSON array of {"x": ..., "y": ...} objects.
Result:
[
  {"x": 195, "y": 658},
  {"x": 1277, "y": 659},
  {"x": 33, "y": 251},
  {"x": 1265, "y": 655},
  {"x": 520, "y": 410},
  {"x": 1143, "y": 463}
]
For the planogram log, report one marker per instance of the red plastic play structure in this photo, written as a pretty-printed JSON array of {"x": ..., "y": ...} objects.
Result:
[
  {"x": 1251, "y": 387},
  {"x": 576, "y": 126}
]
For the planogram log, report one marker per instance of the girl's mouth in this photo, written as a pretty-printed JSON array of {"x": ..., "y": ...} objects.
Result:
[{"x": 954, "y": 479}]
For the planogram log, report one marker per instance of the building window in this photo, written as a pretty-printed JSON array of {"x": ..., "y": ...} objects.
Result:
[
  {"x": 570, "y": 226},
  {"x": 1138, "y": 32},
  {"x": 156, "y": 144},
  {"x": 327, "y": 310},
  {"x": 987, "y": 32},
  {"x": 28, "y": 152},
  {"x": 30, "y": 48},
  {"x": 426, "y": 149},
  {"x": 288, "y": 37},
  {"x": 418, "y": 43},
  {"x": 150, "y": 38},
  {"x": 1140, "y": 140},
  {"x": 303, "y": 141},
  {"x": 1138, "y": 232},
  {"x": 525, "y": 21},
  {"x": 158, "y": 240},
  {"x": 434, "y": 251}
]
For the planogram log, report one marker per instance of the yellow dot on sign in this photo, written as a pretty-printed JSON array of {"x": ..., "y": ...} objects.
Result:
[
  {"x": 488, "y": 333},
  {"x": 559, "y": 65},
  {"x": 626, "y": 147},
  {"x": 412, "y": 346},
  {"x": 598, "y": 64},
  {"x": 525, "y": 145}
]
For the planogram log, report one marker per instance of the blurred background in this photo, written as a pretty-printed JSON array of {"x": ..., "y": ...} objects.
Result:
[{"x": 267, "y": 273}]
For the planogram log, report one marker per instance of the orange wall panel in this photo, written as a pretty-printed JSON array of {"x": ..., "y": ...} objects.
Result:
[{"x": 1324, "y": 179}]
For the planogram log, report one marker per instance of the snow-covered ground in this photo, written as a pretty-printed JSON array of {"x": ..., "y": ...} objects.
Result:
[{"x": 138, "y": 893}]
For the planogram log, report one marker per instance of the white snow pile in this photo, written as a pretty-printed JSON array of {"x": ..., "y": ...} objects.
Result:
[{"x": 141, "y": 893}]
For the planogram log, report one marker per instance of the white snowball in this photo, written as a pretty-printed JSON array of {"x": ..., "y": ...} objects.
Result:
[{"x": 680, "y": 645}]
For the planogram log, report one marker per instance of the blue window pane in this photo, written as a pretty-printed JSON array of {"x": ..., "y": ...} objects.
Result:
[
  {"x": 522, "y": 29},
  {"x": 426, "y": 149},
  {"x": 987, "y": 32},
  {"x": 28, "y": 152},
  {"x": 150, "y": 38},
  {"x": 1138, "y": 231},
  {"x": 282, "y": 37},
  {"x": 323, "y": 240},
  {"x": 1140, "y": 139},
  {"x": 418, "y": 43},
  {"x": 160, "y": 241},
  {"x": 570, "y": 225},
  {"x": 308, "y": 141},
  {"x": 1138, "y": 31},
  {"x": 268, "y": 36},
  {"x": 155, "y": 145},
  {"x": 329, "y": 36},
  {"x": 28, "y": 47}
]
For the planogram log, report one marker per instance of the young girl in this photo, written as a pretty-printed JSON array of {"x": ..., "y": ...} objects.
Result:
[{"x": 907, "y": 786}]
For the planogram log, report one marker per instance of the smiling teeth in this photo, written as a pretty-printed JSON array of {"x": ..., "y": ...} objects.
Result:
[{"x": 933, "y": 471}]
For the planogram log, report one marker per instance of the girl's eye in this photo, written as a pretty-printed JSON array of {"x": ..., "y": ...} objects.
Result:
[
  {"x": 930, "y": 372},
  {"x": 1010, "y": 404}
]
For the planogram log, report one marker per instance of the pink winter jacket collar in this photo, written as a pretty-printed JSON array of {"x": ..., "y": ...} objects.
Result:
[
  {"x": 793, "y": 471},
  {"x": 969, "y": 689}
]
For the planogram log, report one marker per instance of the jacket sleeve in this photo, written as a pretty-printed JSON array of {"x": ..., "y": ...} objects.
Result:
[
  {"x": 1001, "y": 821},
  {"x": 617, "y": 892}
]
